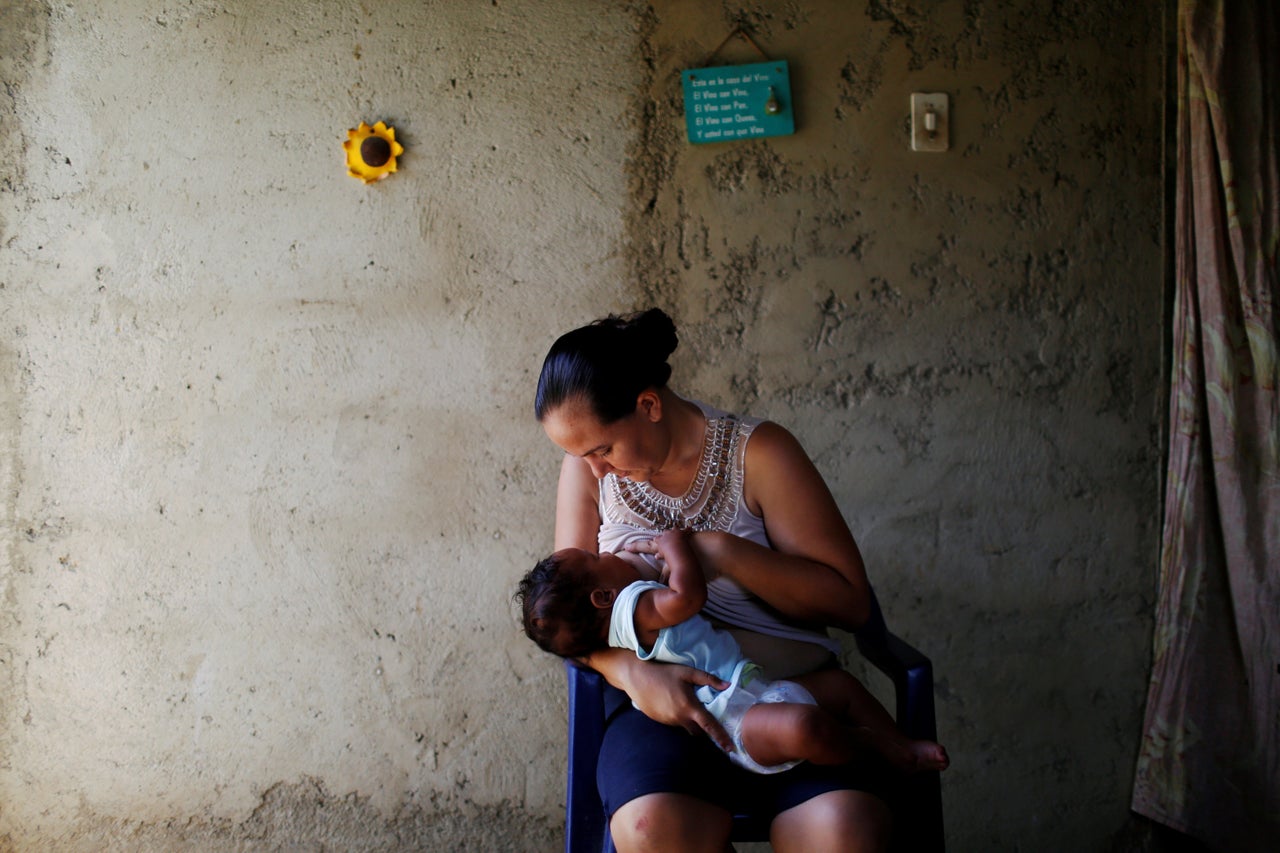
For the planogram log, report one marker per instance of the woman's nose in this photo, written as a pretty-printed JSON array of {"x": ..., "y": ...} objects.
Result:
[{"x": 599, "y": 468}]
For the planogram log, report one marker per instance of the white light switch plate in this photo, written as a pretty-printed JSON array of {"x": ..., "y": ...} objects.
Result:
[{"x": 922, "y": 139}]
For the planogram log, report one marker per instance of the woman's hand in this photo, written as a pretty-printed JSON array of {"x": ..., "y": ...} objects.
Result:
[{"x": 663, "y": 692}]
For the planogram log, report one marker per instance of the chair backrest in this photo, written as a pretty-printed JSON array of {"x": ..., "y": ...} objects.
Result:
[{"x": 918, "y": 814}]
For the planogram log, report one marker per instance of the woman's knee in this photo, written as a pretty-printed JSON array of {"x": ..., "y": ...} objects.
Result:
[
  {"x": 852, "y": 821},
  {"x": 670, "y": 822}
]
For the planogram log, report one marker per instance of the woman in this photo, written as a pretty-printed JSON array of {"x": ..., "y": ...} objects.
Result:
[{"x": 781, "y": 564}]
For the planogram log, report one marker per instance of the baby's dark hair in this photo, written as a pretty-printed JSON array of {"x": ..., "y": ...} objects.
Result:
[
  {"x": 609, "y": 363},
  {"x": 556, "y": 608}
]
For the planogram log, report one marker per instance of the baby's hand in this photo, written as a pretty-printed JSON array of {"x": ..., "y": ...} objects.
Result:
[
  {"x": 645, "y": 557},
  {"x": 670, "y": 541},
  {"x": 660, "y": 545},
  {"x": 642, "y": 546},
  {"x": 663, "y": 546},
  {"x": 643, "y": 567}
]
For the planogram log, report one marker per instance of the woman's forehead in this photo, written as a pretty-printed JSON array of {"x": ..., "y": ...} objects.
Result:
[{"x": 573, "y": 425}]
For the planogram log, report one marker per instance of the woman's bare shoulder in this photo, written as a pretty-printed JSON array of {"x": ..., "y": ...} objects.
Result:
[{"x": 772, "y": 445}]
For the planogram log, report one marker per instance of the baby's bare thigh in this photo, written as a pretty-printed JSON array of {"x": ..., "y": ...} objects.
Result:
[
  {"x": 833, "y": 689},
  {"x": 778, "y": 732}
]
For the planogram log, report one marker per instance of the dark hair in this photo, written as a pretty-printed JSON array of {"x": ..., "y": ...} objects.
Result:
[
  {"x": 557, "y": 611},
  {"x": 609, "y": 363}
]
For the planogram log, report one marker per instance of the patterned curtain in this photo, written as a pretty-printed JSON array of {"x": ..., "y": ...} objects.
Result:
[{"x": 1209, "y": 763}]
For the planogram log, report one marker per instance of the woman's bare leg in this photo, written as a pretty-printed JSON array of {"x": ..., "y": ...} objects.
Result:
[
  {"x": 671, "y": 822},
  {"x": 837, "y": 821}
]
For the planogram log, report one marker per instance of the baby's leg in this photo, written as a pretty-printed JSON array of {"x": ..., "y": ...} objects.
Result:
[
  {"x": 843, "y": 695},
  {"x": 778, "y": 732}
]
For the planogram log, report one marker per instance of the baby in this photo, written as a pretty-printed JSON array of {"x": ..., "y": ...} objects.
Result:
[{"x": 575, "y": 603}]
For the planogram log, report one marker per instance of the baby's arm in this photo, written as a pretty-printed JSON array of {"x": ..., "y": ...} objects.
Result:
[{"x": 685, "y": 593}]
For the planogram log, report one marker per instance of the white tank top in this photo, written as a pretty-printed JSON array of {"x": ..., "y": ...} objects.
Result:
[{"x": 714, "y": 502}]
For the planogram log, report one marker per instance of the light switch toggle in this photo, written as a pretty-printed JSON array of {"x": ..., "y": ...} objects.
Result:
[{"x": 930, "y": 121}]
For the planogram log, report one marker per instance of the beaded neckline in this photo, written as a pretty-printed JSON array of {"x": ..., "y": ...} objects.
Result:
[{"x": 711, "y": 501}]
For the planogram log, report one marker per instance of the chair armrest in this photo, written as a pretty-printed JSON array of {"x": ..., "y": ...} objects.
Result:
[
  {"x": 921, "y": 825},
  {"x": 584, "y": 828},
  {"x": 909, "y": 670}
]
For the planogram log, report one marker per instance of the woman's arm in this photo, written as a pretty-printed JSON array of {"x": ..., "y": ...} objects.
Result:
[
  {"x": 662, "y": 692},
  {"x": 815, "y": 572},
  {"x": 577, "y": 506}
]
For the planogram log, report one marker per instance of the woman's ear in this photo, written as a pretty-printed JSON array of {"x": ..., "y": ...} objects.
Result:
[
  {"x": 649, "y": 405},
  {"x": 602, "y": 598}
]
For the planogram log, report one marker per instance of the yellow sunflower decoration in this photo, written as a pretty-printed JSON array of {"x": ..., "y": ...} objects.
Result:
[{"x": 372, "y": 151}]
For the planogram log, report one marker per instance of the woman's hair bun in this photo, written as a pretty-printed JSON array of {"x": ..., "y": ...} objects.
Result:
[
  {"x": 649, "y": 334},
  {"x": 609, "y": 362},
  {"x": 655, "y": 333}
]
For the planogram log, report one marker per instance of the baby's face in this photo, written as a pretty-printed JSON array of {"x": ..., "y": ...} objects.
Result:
[{"x": 607, "y": 571}]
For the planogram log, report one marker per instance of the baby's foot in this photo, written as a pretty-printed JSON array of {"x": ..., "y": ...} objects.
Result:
[
  {"x": 913, "y": 756},
  {"x": 928, "y": 755}
]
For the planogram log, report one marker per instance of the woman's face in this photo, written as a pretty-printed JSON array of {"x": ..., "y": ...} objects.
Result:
[{"x": 631, "y": 448}]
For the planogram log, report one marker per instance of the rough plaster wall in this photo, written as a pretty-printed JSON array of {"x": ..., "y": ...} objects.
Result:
[
  {"x": 267, "y": 462},
  {"x": 967, "y": 343}
]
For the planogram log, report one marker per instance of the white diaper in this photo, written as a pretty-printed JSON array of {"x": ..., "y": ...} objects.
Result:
[{"x": 744, "y": 697}]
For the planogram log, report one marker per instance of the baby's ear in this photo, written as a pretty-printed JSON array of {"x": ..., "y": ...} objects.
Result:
[{"x": 603, "y": 598}]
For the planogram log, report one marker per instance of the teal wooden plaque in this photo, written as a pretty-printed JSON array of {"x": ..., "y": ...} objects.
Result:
[{"x": 731, "y": 102}]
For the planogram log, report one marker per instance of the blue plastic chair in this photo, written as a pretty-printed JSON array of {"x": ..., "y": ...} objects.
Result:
[{"x": 917, "y": 814}]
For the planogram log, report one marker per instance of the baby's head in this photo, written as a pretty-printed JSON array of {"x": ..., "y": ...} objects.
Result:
[{"x": 566, "y": 599}]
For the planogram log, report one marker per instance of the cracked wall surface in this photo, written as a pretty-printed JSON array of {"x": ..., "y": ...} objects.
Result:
[
  {"x": 267, "y": 461},
  {"x": 967, "y": 343}
]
